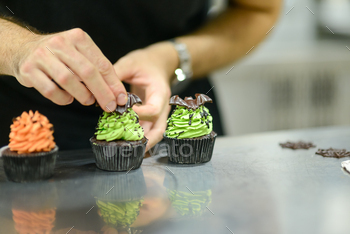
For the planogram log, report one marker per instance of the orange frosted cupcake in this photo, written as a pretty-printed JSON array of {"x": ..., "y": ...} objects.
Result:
[{"x": 32, "y": 152}]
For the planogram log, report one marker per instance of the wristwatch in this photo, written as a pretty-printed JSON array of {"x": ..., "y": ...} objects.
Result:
[{"x": 184, "y": 72}]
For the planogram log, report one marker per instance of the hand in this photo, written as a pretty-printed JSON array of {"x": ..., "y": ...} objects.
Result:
[
  {"x": 67, "y": 58},
  {"x": 149, "y": 72}
]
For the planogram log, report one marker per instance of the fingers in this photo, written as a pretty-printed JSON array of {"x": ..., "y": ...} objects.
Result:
[
  {"x": 64, "y": 49},
  {"x": 152, "y": 108},
  {"x": 156, "y": 133},
  {"x": 87, "y": 48},
  {"x": 68, "y": 58},
  {"x": 49, "y": 89},
  {"x": 66, "y": 79},
  {"x": 146, "y": 125}
]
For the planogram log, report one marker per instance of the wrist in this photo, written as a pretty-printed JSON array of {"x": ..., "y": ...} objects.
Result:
[
  {"x": 13, "y": 38},
  {"x": 21, "y": 49},
  {"x": 167, "y": 58}
]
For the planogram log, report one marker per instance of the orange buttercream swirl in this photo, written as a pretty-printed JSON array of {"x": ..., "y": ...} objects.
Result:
[{"x": 31, "y": 133}]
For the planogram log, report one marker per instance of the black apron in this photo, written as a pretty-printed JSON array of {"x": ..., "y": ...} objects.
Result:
[{"x": 117, "y": 27}]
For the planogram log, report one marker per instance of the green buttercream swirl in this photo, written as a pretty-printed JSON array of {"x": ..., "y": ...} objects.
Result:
[
  {"x": 114, "y": 126},
  {"x": 188, "y": 123}
]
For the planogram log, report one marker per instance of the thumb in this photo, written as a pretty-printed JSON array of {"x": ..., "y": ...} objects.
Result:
[
  {"x": 147, "y": 112},
  {"x": 123, "y": 69}
]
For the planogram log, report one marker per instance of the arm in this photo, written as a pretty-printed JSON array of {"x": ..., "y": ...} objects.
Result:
[
  {"x": 229, "y": 37},
  {"x": 222, "y": 41},
  {"x": 67, "y": 58}
]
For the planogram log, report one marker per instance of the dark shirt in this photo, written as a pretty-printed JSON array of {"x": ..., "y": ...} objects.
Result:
[{"x": 117, "y": 27}]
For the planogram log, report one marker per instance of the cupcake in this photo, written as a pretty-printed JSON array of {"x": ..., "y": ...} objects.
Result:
[
  {"x": 119, "y": 143},
  {"x": 189, "y": 135},
  {"x": 32, "y": 152}
]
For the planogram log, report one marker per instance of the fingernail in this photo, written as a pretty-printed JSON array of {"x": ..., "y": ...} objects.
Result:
[
  {"x": 90, "y": 101},
  {"x": 111, "y": 106},
  {"x": 122, "y": 98}
]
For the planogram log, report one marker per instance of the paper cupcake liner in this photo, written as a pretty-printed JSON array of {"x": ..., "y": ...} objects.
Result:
[
  {"x": 119, "y": 158},
  {"x": 30, "y": 167},
  {"x": 121, "y": 187},
  {"x": 189, "y": 151}
]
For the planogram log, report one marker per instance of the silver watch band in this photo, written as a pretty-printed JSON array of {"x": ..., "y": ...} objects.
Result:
[{"x": 185, "y": 68}]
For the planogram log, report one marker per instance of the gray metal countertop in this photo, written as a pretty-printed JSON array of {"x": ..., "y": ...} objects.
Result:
[{"x": 251, "y": 185}]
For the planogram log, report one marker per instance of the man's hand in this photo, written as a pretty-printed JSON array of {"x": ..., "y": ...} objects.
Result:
[
  {"x": 64, "y": 59},
  {"x": 149, "y": 71}
]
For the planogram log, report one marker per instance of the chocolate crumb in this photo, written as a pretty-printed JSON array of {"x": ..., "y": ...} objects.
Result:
[
  {"x": 297, "y": 145},
  {"x": 333, "y": 153}
]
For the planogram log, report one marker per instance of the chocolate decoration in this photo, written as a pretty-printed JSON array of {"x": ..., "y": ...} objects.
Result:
[
  {"x": 346, "y": 165},
  {"x": 333, "y": 153},
  {"x": 132, "y": 100},
  {"x": 297, "y": 145},
  {"x": 189, "y": 102}
]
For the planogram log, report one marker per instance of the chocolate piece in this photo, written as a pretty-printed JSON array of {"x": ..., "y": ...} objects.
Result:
[
  {"x": 132, "y": 100},
  {"x": 346, "y": 165},
  {"x": 334, "y": 153},
  {"x": 297, "y": 145},
  {"x": 189, "y": 102}
]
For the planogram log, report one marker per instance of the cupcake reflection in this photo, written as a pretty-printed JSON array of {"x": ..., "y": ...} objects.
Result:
[
  {"x": 189, "y": 191},
  {"x": 133, "y": 201},
  {"x": 119, "y": 214},
  {"x": 39, "y": 222},
  {"x": 190, "y": 204},
  {"x": 34, "y": 208},
  {"x": 119, "y": 199}
]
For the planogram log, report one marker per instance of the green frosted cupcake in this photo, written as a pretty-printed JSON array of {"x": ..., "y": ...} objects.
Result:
[
  {"x": 119, "y": 143},
  {"x": 189, "y": 134}
]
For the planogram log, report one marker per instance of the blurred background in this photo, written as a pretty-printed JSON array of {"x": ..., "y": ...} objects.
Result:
[{"x": 297, "y": 78}]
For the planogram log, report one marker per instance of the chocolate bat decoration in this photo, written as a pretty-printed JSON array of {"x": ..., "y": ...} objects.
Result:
[
  {"x": 132, "y": 100},
  {"x": 189, "y": 102}
]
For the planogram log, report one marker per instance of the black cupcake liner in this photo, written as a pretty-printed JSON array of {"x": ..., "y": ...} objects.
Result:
[
  {"x": 190, "y": 151},
  {"x": 29, "y": 167},
  {"x": 119, "y": 157},
  {"x": 122, "y": 187}
]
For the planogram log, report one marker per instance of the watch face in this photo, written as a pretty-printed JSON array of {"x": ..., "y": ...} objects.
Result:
[{"x": 180, "y": 75}]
